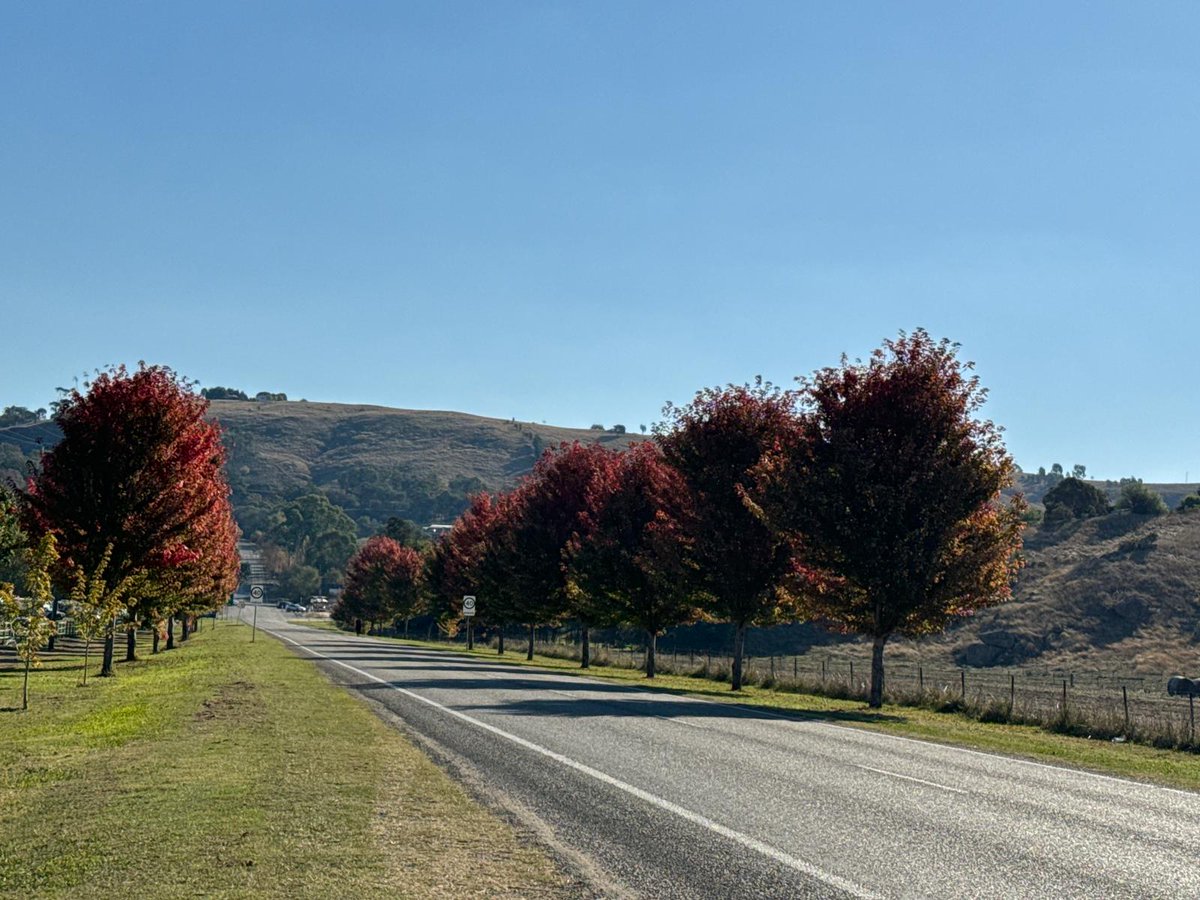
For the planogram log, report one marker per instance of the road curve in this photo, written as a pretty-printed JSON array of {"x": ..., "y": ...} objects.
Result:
[{"x": 665, "y": 796}]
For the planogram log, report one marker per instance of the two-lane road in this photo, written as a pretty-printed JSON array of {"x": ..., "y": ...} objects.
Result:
[{"x": 664, "y": 796}]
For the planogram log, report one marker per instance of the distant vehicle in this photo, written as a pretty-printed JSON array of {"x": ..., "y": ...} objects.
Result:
[
  {"x": 283, "y": 604},
  {"x": 294, "y": 607}
]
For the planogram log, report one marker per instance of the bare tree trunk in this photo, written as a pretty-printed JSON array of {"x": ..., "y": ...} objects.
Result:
[
  {"x": 876, "y": 699},
  {"x": 131, "y": 644},
  {"x": 106, "y": 667},
  {"x": 585, "y": 653},
  {"x": 170, "y": 632},
  {"x": 532, "y": 631},
  {"x": 739, "y": 646},
  {"x": 500, "y": 641},
  {"x": 184, "y": 626},
  {"x": 154, "y": 638},
  {"x": 406, "y": 628},
  {"x": 651, "y": 645},
  {"x": 87, "y": 646},
  {"x": 25, "y": 686}
]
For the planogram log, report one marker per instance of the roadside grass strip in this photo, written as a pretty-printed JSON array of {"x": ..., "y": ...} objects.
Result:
[
  {"x": 226, "y": 768},
  {"x": 1170, "y": 768}
]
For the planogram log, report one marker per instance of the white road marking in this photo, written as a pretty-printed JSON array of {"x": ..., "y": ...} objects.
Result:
[
  {"x": 745, "y": 840},
  {"x": 943, "y": 787}
]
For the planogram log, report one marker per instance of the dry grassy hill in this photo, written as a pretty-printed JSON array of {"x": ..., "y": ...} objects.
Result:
[{"x": 377, "y": 462}]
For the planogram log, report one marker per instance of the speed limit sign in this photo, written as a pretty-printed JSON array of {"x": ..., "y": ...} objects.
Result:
[
  {"x": 256, "y": 592},
  {"x": 468, "y": 606}
]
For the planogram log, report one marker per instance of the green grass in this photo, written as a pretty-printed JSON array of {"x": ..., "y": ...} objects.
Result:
[
  {"x": 1167, "y": 767},
  {"x": 233, "y": 769}
]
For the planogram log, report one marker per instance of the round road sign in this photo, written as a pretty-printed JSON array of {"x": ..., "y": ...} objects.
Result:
[
  {"x": 468, "y": 606},
  {"x": 256, "y": 592}
]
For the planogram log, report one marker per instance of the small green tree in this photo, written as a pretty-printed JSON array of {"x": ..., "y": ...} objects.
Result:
[
  {"x": 31, "y": 627},
  {"x": 1072, "y": 498},
  {"x": 1191, "y": 501},
  {"x": 94, "y": 605},
  {"x": 1140, "y": 500}
]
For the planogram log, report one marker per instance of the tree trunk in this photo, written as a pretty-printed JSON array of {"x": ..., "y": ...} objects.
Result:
[
  {"x": 532, "y": 632},
  {"x": 470, "y": 636},
  {"x": 500, "y": 641},
  {"x": 876, "y": 699},
  {"x": 651, "y": 645},
  {"x": 154, "y": 638},
  {"x": 25, "y": 686},
  {"x": 739, "y": 646},
  {"x": 406, "y": 621},
  {"x": 106, "y": 667},
  {"x": 183, "y": 629},
  {"x": 358, "y": 626},
  {"x": 87, "y": 647},
  {"x": 54, "y": 633},
  {"x": 170, "y": 632},
  {"x": 130, "y": 644},
  {"x": 585, "y": 653}
]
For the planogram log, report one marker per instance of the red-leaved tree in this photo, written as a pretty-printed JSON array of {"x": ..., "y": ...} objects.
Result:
[
  {"x": 383, "y": 581},
  {"x": 138, "y": 470},
  {"x": 631, "y": 557},
  {"x": 892, "y": 486},
  {"x": 716, "y": 442},
  {"x": 475, "y": 558},
  {"x": 546, "y": 513}
]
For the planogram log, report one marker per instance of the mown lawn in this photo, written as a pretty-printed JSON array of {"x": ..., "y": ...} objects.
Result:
[
  {"x": 227, "y": 768},
  {"x": 1166, "y": 767}
]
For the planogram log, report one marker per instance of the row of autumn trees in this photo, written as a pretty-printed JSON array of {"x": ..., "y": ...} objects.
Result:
[
  {"x": 135, "y": 506},
  {"x": 868, "y": 499}
]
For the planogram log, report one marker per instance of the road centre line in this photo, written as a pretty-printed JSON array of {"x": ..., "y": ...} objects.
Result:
[
  {"x": 934, "y": 784},
  {"x": 806, "y": 868}
]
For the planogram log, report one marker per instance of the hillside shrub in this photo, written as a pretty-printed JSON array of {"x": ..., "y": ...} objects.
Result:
[
  {"x": 1140, "y": 500},
  {"x": 1073, "y": 498}
]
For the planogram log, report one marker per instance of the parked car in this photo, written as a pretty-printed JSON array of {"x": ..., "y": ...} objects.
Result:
[{"x": 295, "y": 608}]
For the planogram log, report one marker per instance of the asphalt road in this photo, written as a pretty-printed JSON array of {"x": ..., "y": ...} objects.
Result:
[{"x": 654, "y": 795}]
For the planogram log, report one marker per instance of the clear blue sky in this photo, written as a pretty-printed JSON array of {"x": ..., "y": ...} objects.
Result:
[{"x": 573, "y": 212}]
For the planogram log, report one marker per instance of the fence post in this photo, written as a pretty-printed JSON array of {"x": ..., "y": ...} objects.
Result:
[
  {"x": 796, "y": 668},
  {"x": 1064, "y": 703},
  {"x": 1012, "y": 692},
  {"x": 1125, "y": 702},
  {"x": 822, "y": 671},
  {"x": 772, "y": 666},
  {"x": 1192, "y": 710},
  {"x": 851, "y": 674},
  {"x": 921, "y": 679},
  {"x": 962, "y": 677}
]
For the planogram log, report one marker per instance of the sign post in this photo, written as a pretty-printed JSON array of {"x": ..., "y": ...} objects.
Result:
[{"x": 468, "y": 610}]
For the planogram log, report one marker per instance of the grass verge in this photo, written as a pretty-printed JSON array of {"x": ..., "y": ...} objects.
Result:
[
  {"x": 234, "y": 769},
  {"x": 1167, "y": 767}
]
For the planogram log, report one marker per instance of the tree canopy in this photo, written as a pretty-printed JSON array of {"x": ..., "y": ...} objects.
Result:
[
  {"x": 715, "y": 442},
  {"x": 892, "y": 487},
  {"x": 1073, "y": 498},
  {"x": 137, "y": 480}
]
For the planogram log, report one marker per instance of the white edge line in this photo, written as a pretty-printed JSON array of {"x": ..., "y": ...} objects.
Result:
[
  {"x": 767, "y": 850},
  {"x": 795, "y": 719},
  {"x": 943, "y": 787}
]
